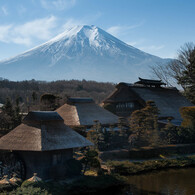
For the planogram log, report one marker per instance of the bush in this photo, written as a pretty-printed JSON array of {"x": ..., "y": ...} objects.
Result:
[
  {"x": 29, "y": 191},
  {"x": 7, "y": 187},
  {"x": 129, "y": 168},
  {"x": 33, "y": 184},
  {"x": 74, "y": 167},
  {"x": 95, "y": 185},
  {"x": 188, "y": 115}
]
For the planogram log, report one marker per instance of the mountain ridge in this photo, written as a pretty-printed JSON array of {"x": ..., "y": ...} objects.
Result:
[{"x": 81, "y": 52}]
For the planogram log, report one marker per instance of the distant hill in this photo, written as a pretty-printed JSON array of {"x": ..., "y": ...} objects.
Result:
[
  {"x": 81, "y": 52},
  {"x": 24, "y": 90}
]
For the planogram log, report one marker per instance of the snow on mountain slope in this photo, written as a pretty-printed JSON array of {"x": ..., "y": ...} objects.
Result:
[{"x": 81, "y": 52}]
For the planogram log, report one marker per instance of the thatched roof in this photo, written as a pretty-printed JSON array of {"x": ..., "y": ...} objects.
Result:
[
  {"x": 121, "y": 94},
  {"x": 35, "y": 178},
  {"x": 84, "y": 113},
  {"x": 168, "y": 100},
  {"x": 80, "y": 100},
  {"x": 42, "y": 135},
  {"x": 42, "y": 116}
]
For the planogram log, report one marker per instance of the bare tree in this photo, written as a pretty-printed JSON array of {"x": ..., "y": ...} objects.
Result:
[{"x": 172, "y": 72}]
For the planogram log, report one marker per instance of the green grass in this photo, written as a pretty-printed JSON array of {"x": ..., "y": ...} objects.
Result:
[{"x": 128, "y": 168}]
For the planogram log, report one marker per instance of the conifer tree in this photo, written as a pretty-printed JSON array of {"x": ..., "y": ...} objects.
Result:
[{"x": 143, "y": 124}]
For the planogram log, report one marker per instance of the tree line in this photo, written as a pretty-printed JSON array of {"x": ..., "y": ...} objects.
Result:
[{"x": 29, "y": 93}]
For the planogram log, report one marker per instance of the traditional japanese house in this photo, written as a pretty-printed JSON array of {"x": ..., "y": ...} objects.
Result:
[
  {"x": 44, "y": 143},
  {"x": 129, "y": 97},
  {"x": 84, "y": 111}
]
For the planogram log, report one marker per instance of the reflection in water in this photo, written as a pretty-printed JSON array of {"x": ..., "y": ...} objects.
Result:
[{"x": 167, "y": 182}]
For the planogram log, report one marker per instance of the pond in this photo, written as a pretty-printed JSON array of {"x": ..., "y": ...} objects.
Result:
[{"x": 166, "y": 182}]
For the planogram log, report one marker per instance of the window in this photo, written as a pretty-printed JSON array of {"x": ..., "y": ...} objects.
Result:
[
  {"x": 57, "y": 158},
  {"x": 124, "y": 106}
]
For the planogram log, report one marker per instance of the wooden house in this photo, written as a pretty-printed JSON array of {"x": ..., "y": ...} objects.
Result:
[
  {"x": 44, "y": 143},
  {"x": 129, "y": 97},
  {"x": 84, "y": 111}
]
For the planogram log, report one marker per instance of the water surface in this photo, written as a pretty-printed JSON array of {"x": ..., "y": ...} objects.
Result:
[{"x": 166, "y": 182}]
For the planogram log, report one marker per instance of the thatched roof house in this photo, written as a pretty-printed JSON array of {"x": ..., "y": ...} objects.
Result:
[
  {"x": 129, "y": 97},
  {"x": 44, "y": 143},
  {"x": 83, "y": 112}
]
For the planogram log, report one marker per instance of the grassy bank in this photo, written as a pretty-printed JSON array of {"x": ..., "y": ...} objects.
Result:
[
  {"x": 148, "y": 152},
  {"x": 129, "y": 168}
]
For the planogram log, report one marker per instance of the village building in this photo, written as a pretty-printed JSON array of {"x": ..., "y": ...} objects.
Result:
[
  {"x": 130, "y": 97},
  {"x": 44, "y": 144},
  {"x": 84, "y": 111}
]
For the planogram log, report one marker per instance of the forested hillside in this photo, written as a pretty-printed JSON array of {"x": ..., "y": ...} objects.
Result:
[{"x": 29, "y": 92}]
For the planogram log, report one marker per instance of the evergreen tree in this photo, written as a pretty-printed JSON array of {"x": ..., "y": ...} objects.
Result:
[
  {"x": 7, "y": 115},
  {"x": 34, "y": 96},
  {"x": 17, "y": 118},
  {"x": 143, "y": 124},
  {"x": 91, "y": 159},
  {"x": 8, "y": 108}
]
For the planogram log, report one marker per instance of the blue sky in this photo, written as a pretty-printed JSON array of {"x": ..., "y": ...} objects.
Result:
[{"x": 158, "y": 27}]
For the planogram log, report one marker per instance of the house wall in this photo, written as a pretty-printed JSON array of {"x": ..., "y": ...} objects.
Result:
[
  {"x": 124, "y": 101},
  {"x": 124, "y": 109},
  {"x": 47, "y": 165}
]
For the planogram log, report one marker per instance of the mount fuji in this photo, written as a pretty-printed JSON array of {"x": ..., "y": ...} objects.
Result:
[{"x": 81, "y": 52}]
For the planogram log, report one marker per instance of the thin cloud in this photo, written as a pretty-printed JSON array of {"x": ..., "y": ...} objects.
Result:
[
  {"x": 134, "y": 43},
  {"x": 21, "y": 9},
  {"x": 152, "y": 48},
  {"x": 58, "y": 4},
  {"x": 4, "y": 31},
  {"x": 119, "y": 30},
  {"x": 137, "y": 43},
  {"x": 72, "y": 22},
  {"x": 40, "y": 29},
  {"x": 26, "y": 33},
  {"x": 4, "y": 10}
]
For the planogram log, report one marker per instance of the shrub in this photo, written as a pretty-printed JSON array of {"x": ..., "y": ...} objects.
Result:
[
  {"x": 29, "y": 191},
  {"x": 7, "y": 187},
  {"x": 95, "y": 185},
  {"x": 33, "y": 184},
  {"x": 188, "y": 115},
  {"x": 128, "y": 168},
  {"x": 74, "y": 167}
]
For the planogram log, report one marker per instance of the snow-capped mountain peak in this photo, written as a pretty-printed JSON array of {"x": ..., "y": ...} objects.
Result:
[{"x": 81, "y": 52}]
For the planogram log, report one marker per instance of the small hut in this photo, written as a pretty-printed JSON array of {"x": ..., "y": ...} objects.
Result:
[
  {"x": 44, "y": 143},
  {"x": 84, "y": 111}
]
